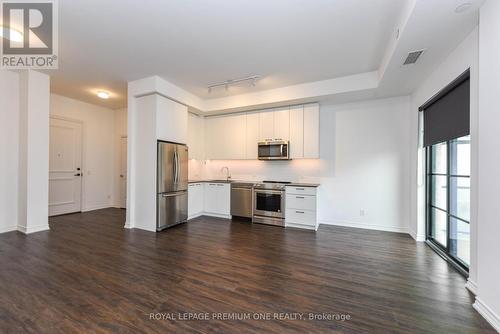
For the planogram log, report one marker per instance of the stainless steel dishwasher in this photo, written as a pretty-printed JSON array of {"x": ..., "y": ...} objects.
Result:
[{"x": 241, "y": 199}]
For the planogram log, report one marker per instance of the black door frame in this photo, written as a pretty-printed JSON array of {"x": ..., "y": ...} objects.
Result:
[{"x": 444, "y": 252}]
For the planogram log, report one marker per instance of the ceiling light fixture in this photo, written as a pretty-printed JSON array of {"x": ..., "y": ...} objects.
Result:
[
  {"x": 11, "y": 34},
  {"x": 463, "y": 7},
  {"x": 228, "y": 83},
  {"x": 103, "y": 95}
]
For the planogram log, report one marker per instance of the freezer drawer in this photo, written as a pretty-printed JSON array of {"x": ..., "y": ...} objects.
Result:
[{"x": 172, "y": 209}]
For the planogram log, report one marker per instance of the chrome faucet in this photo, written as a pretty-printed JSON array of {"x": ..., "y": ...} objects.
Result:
[{"x": 228, "y": 175}]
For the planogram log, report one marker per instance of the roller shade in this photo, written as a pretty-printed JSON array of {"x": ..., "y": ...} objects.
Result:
[{"x": 447, "y": 114}]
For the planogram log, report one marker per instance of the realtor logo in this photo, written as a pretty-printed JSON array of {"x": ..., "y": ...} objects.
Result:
[{"x": 29, "y": 34}]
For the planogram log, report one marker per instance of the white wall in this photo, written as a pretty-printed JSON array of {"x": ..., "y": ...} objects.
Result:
[
  {"x": 9, "y": 150},
  {"x": 24, "y": 141},
  {"x": 98, "y": 148},
  {"x": 33, "y": 186},
  {"x": 141, "y": 182},
  {"x": 488, "y": 268},
  {"x": 364, "y": 165},
  {"x": 463, "y": 57}
]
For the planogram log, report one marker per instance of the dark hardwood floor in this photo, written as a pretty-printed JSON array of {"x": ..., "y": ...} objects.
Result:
[{"x": 89, "y": 275}]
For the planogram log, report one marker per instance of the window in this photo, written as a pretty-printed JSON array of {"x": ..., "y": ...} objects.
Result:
[
  {"x": 446, "y": 125},
  {"x": 448, "y": 198}
]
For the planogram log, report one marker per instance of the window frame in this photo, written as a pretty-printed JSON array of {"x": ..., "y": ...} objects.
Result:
[{"x": 443, "y": 251}]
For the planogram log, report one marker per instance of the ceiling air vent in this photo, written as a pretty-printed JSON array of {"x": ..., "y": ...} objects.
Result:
[{"x": 413, "y": 57}]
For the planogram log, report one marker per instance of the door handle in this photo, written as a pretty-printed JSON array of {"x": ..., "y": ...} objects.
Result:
[
  {"x": 177, "y": 193},
  {"x": 78, "y": 174},
  {"x": 176, "y": 161},
  {"x": 174, "y": 168}
]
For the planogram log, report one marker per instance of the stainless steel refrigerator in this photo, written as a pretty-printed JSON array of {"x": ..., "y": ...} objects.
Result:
[{"x": 172, "y": 197}]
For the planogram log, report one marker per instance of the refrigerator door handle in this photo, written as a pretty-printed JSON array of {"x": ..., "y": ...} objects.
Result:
[
  {"x": 175, "y": 168},
  {"x": 177, "y": 193}
]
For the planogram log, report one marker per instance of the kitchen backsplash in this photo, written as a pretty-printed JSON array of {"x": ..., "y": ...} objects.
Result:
[{"x": 304, "y": 170}]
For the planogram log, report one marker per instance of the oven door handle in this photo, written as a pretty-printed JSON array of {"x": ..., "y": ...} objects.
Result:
[{"x": 265, "y": 192}]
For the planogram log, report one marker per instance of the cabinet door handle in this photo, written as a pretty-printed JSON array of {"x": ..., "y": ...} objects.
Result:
[
  {"x": 301, "y": 197},
  {"x": 299, "y": 212},
  {"x": 299, "y": 189}
]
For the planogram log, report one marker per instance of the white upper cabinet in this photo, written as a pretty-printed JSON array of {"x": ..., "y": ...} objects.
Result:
[
  {"x": 297, "y": 132},
  {"x": 274, "y": 124},
  {"x": 252, "y": 135},
  {"x": 171, "y": 121},
  {"x": 236, "y": 136},
  {"x": 226, "y": 137},
  {"x": 196, "y": 136},
  {"x": 214, "y": 138},
  {"x": 281, "y": 124},
  {"x": 311, "y": 131},
  {"x": 266, "y": 125}
]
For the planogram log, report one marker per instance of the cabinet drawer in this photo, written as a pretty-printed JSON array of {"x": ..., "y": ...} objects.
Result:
[
  {"x": 301, "y": 190},
  {"x": 301, "y": 202},
  {"x": 303, "y": 217}
]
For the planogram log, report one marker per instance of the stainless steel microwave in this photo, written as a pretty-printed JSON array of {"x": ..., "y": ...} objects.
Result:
[{"x": 274, "y": 150}]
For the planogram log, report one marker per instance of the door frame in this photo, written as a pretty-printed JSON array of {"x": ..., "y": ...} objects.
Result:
[
  {"x": 443, "y": 251},
  {"x": 119, "y": 178},
  {"x": 82, "y": 152}
]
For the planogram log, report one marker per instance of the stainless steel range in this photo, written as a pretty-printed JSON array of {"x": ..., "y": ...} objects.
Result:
[{"x": 269, "y": 203}]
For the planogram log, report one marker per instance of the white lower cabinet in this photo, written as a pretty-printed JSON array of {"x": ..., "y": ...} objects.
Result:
[
  {"x": 301, "y": 207},
  {"x": 217, "y": 199},
  {"x": 195, "y": 200}
]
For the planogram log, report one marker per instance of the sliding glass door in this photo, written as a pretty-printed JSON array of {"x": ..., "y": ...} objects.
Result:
[{"x": 448, "y": 199}]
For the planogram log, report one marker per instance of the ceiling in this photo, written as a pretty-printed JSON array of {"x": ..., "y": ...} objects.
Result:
[{"x": 192, "y": 44}]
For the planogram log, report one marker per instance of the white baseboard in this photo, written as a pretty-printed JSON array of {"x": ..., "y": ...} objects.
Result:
[
  {"x": 487, "y": 313},
  {"x": 8, "y": 229},
  {"x": 417, "y": 237},
  {"x": 146, "y": 228},
  {"x": 215, "y": 215},
  {"x": 33, "y": 229},
  {"x": 97, "y": 207},
  {"x": 471, "y": 286},
  {"x": 397, "y": 229},
  {"x": 195, "y": 216},
  {"x": 301, "y": 226}
]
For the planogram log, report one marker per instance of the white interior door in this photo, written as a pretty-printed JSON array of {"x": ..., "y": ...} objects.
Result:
[
  {"x": 123, "y": 172},
  {"x": 65, "y": 167}
]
